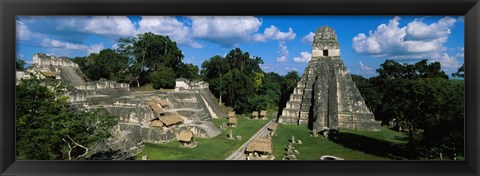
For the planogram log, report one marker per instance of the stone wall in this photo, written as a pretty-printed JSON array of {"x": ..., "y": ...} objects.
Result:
[
  {"x": 185, "y": 84},
  {"x": 79, "y": 96},
  {"x": 19, "y": 75},
  {"x": 99, "y": 85},
  {"x": 41, "y": 59}
]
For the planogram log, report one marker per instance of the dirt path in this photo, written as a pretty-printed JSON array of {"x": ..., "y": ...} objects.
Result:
[{"x": 239, "y": 153}]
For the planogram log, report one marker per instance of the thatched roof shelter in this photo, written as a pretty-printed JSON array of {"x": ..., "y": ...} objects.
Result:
[
  {"x": 255, "y": 114},
  {"x": 155, "y": 107},
  {"x": 260, "y": 145},
  {"x": 263, "y": 113},
  {"x": 156, "y": 123},
  {"x": 164, "y": 102},
  {"x": 171, "y": 119},
  {"x": 185, "y": 136},
  {"x": 231, "y": 114},
  {"x": 232, "y": 120},
  {"x": 272, "y": 126}
]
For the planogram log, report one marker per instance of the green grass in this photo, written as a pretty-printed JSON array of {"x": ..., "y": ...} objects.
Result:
[
  {"x": 350, "y": 144},
  {"x": 217, "y": 148}
]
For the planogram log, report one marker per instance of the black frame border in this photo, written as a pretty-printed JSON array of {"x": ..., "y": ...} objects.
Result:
[{"x": 10, "y": 8}]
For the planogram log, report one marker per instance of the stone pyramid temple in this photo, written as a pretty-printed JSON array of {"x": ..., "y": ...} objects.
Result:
[{"x": 326, "y": 98}]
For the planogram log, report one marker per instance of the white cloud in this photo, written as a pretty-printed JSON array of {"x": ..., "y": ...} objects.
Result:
[
  {"x": 25, "y": 34},
  {"x": 22, "y": 31},
  {"x": 282, "y": 59},
  {"x": 189, "y": 60},
  {"x": 225, "y": 30},
  {"x": 447, "y": 61},
  {"x": 273, "y": 33},
  {"x": 416, "y": 40},
  {"x": 290, "y": 69},
  {"x": 268, "y": 67},
  {"x": 106, "y": 26},
  {"x": 111, "y": 26},
  {"x": 168, "y": 26},
  {"x": 283, "y": 51},
  {"x": 303, "y": 58},
  {"x": 417, "y": 30},
  {"x": 95, "y": 48},
  {"x": 308, "y": 39},
  {"x": 59, "y": 45},
  {"x": 55, "y": 46},
  {"x": 228, "y": 31},
  {"x": 461, "y": 53},
  {"x": 366, "y": 68}
]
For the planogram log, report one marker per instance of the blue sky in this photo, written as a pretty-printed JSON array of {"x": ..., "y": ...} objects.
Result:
[{"x": 283, "y": 42}]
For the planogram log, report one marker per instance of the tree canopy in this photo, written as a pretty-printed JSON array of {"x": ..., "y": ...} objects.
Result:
[
  {"x": 49, "y": 128},
  {"x": 420, "y": 100},
  {"x": 232, "y": 78},
  {"x": 460, "y": 73},
  {"x": 149, "y": 52},
  {"x": 238, "y": 81},
  {"x": 107, "y": 64},
  {"x": 140, "y": 60},
  {"x": 20, "y": 65}
]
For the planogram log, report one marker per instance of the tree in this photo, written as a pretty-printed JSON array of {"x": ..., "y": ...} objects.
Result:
[
  {"x": 163, "y": 77},
  {"x": 258, "y": 80},
  {"x": 389, "y": 74},
  {"x": 443, "y": 126},
  {"x": 188, "y": 71},
  {"x": 267, "y": 95},
  {"x": 233, "y": 78},
  {"x": 20, "y": 65},
  {"x": 371, "y": 94},
  {"x": 49, "y": 128},
  {"x": 213, "y": 71},
  {"x": 391, "y": 70},
  {"x": 460, "y": 73},
  {"x": 421, "y": 100},
  {"x": 106, "y": 64},
  {"x": 149, "y": 51}
]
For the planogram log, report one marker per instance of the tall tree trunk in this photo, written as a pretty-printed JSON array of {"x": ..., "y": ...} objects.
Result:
[{"x": 220, "y": 101}]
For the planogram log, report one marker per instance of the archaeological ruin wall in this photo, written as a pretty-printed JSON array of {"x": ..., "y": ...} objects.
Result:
[{"x": 192, "y": 102}]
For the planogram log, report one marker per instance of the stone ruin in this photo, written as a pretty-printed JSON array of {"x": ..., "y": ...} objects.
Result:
[
  {"x": 326, "y": 98},
  {"x": 196, "y": 105},
  {"x": 185, "y": 84}
]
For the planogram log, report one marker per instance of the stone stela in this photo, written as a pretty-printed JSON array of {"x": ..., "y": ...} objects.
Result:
[{"x": 326, "y": 98}]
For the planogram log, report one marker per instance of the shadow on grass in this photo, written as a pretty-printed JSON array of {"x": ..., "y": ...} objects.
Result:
[
  {"x": 111, "y": 155},
  {"x": 374, "y": 146}
]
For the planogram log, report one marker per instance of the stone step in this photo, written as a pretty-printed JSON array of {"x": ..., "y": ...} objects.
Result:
[
  {"x": 291, "y": 112},
  {"x": 296, "y": 97},
  {"x": 298, "y": 90},
  {"x": 293, "y": 104},
  {"x": 71, "y": 76}
]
